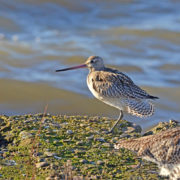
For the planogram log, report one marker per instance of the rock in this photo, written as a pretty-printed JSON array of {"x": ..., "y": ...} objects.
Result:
[
  {"x": 130, "y": 130},
  {"x": 25, "y": 135},
  {"x": 101, "y": 139},
  {"x": 83, "y": 161},
  {"x": 69, "y": 132},
  {"x": 82, "y": 125},
  {"x": 39, "y": 154},
  {"x": 41, "y": 160},
  {"x": 50, "y": 178},
  {"x": 138, "y": 128},
  {"x": 49, "y": 154},
  {"x": 124, "y": 135},
  {"x": 90, "y": 137},
  {"x": 41, "y": 164},
  {"x": 46, "y": 127},
  {"x": 10, "y": 163},
  {"x": 162, "y": 126},
  {"x": 66, "y": 140},
  {"x": 92, "y": 162},
  {"x": 99, "y": 162},
  {"x": 79, "y": 143},
  {"x": 107, "y": 145},
  {"x": 57, "y": 157}
]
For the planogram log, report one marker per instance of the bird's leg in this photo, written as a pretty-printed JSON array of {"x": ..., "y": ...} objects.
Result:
[
  {"x": 115, "y": 124},
  {"x": 137, "y": 166}
]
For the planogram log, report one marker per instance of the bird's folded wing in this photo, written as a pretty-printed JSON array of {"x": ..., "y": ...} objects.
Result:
[{"x": 116, "y": 85}]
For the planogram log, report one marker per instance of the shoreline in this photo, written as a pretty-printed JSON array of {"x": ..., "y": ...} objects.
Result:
[{"x": 49, "y": 147}]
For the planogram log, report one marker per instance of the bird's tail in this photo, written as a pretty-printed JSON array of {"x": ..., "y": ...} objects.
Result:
[
  {"x": 175, "y": 174},
  {"x": 140, "y": 108}
]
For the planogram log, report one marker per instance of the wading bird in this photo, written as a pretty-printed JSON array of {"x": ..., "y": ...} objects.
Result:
[
  {"x": 116, "y": 89},
  {"x": 162, "y": 148}
]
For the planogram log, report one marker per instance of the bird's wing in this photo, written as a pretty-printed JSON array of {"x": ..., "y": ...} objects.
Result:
[{"x": 116, "y": 84}]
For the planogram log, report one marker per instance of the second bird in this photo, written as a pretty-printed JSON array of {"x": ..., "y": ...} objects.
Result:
[{"x": 116, "y": 89}]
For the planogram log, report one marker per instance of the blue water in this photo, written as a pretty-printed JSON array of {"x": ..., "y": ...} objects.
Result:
[{"x": 39, "y": 36}]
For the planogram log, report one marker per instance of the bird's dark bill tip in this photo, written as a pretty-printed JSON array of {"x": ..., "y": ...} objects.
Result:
[{"x": 71, "y": 68}]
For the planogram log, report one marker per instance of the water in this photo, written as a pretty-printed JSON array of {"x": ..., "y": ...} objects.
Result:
[{"x": 140, "y": 38}]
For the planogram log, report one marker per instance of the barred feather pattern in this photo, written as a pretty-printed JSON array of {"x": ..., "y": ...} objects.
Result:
[
  {"x": 114, "y": 84},
  {"x": 162, "y": 148},
  {"x": 140, "y": 108},
  {"x": 110, "y": 85},
  {"x": 175, "y": 174}
]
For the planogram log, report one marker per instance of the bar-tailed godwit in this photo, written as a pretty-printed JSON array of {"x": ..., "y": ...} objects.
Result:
[
  {"x": 116, "y": 89},
  {"x": 162, "y": 148}
]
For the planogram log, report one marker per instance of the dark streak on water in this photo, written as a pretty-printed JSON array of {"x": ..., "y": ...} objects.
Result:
[{"x": 141, "y": 38}]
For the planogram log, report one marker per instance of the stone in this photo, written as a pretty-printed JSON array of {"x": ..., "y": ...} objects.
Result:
[
  {"x": 69, "y": 132},
  {"x": 79, "y": 143},
  {"x": 57, "y": 157},
  {"x": 83, "y": 161},
  {"x": 10, "y": 163},
  {"x": 49, "y": 154},
  {"x": 107, "y": 145},
  {"x": 124, "y": 135},
  {"x": 100, "y": 139},
  {"x": 99, "y": 162},
  {"x": 41, "y": 164},
  {"x": 25, "y": 135},
  {"x": 90, "y": 137}
]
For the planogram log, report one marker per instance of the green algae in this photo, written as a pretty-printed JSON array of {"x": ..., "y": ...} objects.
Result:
[{"x": 72, "y": 146}]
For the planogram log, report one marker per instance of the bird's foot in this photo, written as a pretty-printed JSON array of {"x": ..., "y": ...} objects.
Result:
[{"x": 136, "y": 167}]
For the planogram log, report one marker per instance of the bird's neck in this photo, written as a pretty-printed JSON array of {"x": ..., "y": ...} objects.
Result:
[{"x": 92, "y": 69}]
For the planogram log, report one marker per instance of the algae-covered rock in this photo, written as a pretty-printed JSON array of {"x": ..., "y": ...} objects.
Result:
[
  {"x": 68, "y": 147},
  {"x": 41, "y": 164},
  {"x": 162, "y": 126}
]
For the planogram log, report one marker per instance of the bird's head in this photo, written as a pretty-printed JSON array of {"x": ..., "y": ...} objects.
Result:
[
  {"x": 95, "y": 63},
  {"x": 92, "y": 63}
]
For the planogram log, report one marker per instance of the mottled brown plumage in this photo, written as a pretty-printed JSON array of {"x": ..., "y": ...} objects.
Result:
[
  {"x": 162, "y": 148},
  {"x": 116, "y": 89}
]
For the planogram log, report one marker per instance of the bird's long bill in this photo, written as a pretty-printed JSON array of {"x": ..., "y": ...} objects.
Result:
[{"x": 71, "y": 68}]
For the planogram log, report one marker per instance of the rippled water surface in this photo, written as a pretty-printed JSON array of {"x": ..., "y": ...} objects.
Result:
[{"x": 140, "y": 38}]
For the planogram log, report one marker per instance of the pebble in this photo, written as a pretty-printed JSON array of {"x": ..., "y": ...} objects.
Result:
[
  {"x": 57, "y": 157},
  {"x": 39, "y": 154},
  {"x": 79, "y": 143},
  {"x": 92, "y": 162},
  {"x": 107, "y": 145},
  {"x": 69, "y": 132},
  {"x": 41, "y": 164},
  {"x": 49, "y": 154},
  {"x": 25, "y": 135},
  {"x": 99, "y": 162},
  {"x": 84, "y": 161},
  {"x": 100, "y": 139},
  {"x": 41, "y": 160},
  {"x": 66, "y": 140},
  {"x": 46, "y": 127},
  {"x": 82, "y": 125},
  {"x": 124, "y": 135},
  {"x": 10, "y": 163},
  {"x": 90, "y": 137}
]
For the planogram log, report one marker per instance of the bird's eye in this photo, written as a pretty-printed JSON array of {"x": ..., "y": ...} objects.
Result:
[{"x": 92, "y": 61}]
